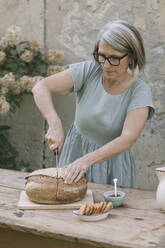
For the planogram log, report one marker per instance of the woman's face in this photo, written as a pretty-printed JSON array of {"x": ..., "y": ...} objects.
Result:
[{"x": 112, "y": 71}]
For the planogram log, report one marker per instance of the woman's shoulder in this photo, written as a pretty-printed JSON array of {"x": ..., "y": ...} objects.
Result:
[
  {"x": 87, "y": 67},
  {"x": 87, "y": 63},
  {"x": 140, "y": 85},
  {"x": 141, "y": 96},
  {"x": 84, "y": 72}
]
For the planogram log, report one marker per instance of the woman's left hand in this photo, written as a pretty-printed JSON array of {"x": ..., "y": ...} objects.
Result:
[{"x": 75, "y": 171}]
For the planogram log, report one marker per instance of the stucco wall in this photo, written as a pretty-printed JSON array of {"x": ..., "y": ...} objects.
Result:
[{"x": 73, "y": 26}]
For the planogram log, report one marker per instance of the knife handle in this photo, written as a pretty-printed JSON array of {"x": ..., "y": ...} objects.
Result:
[
  {"x": 56, "y": 156},
  {"x": 56, "y": 151}
]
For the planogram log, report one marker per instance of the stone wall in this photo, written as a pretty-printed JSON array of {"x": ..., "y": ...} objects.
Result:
[{"x": 73, "y": 26}]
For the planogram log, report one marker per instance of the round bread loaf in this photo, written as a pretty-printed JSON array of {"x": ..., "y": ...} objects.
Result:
[{"x": 47, "y": 186}]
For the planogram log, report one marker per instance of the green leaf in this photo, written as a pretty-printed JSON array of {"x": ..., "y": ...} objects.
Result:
[
  {"x": 12, "y": 66},
  {"x": 22, "y": 70}
]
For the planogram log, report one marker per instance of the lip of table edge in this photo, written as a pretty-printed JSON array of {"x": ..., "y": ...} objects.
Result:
[
  {"x": 81, "y": 241},
  {"x": 95, "y": 241}
]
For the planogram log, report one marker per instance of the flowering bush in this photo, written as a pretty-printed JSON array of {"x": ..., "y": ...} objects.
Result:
[{"x": 22, "y": 65}]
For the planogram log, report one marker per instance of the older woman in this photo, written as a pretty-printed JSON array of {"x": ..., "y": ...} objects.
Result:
[{"x": 112, "y": 107}]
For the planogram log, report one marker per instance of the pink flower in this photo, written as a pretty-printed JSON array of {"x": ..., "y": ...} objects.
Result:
[
  {"x": 8, "y": 81},
  {"x": 25, "y": 83},
  {"x": 3, "y": 43},
  {"x": 2, "y": 57},
  {"x": 27, "y": 56},
  {"x": 53, "y": 69},
  {"x": 9, "y": 77},
  {"x": 4, "y": 91},
  {"x": 53, "y": 57},
  {"x": 4, "y": 106},
  {"x": 14, "y": 35},
  {"x": 34, "y": 46}
]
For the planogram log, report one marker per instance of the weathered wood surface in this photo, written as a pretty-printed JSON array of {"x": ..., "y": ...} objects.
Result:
[{"x": 138, "y": 224}]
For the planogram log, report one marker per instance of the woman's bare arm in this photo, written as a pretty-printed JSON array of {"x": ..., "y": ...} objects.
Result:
[{"x": 59, "y": 83}]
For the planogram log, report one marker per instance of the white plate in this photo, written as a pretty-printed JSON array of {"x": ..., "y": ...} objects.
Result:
[{"x": 95, "y": 217}]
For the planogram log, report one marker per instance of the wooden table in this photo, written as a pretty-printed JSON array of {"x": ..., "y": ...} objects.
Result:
[{"x": 138, "y": 224}]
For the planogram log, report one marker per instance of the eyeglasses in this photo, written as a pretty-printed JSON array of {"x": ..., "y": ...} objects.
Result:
[{"x": 113, "y": 60}]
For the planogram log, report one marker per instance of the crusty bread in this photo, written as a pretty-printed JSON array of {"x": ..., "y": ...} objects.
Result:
[{"x": 42, "y": 186}]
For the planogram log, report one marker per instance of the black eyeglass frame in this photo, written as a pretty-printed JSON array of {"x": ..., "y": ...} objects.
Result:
[{"x": 96, "y": 55}]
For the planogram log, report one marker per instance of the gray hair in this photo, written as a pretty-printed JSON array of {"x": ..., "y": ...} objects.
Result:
[{"x": 123, "y": 37}]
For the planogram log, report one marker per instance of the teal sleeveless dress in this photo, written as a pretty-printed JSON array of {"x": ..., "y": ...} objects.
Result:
[{"x": 99, "y": 118}]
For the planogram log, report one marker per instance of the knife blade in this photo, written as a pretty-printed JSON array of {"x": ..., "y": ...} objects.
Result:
[{"x": 56, "y": 156}]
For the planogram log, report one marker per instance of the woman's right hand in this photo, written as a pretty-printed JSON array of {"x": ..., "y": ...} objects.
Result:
[{"x": 55, "y": 137}]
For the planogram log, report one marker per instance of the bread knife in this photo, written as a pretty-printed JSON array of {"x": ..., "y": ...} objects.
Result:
[{"x": 56, "y": 155}]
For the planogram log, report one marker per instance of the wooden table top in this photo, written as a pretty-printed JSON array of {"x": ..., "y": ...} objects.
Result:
[{"x": 139, "y": 223}]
